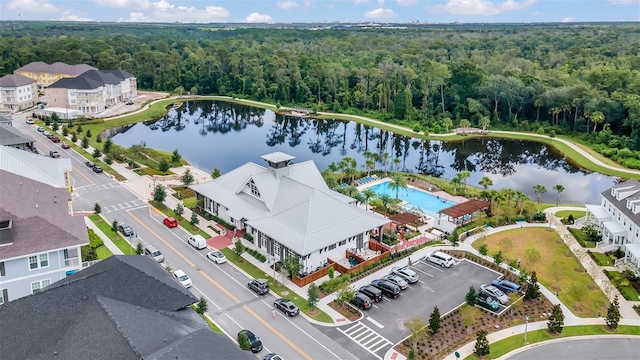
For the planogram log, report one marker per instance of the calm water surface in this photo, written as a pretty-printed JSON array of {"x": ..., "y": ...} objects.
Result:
[{"x": 216, "y": 134}]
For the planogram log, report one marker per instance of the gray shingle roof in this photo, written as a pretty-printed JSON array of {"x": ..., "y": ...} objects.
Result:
[
  {"x": 55, "y": 68},
  {"x": 297, "y": 209},
  {"x": 15, "y": 80},
  {"x": 40, "y": 215},
  {"x": 92, "y": 79},
  {"x": 631, "y": 192},
  {"x": 12, "y": 136},
  {"x": 124, "y": 307},
  {"x": 33, "y": 166}
]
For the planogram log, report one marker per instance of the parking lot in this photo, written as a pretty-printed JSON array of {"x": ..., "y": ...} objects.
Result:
[{"x": 383, "y": 324}]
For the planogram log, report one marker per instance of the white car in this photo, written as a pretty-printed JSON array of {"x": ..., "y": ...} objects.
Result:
[
  {"x": 30, "y": 121},
  {"x": 217, "y": 257},
  {"x": 495, "y": 293},
  {"x": 182, "y": 278},
  {"x": 409, "y": 275}
]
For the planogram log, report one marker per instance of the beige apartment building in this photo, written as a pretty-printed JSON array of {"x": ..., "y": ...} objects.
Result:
[{"x": 45, "y": 74}]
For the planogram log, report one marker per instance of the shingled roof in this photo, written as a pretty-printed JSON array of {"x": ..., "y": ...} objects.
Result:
[
  {"x": 124, "y": 307},
  {"x": 15, "y": 80},
  {"x": 92, "y": 79},
  {"x": 55, "y": 68}
]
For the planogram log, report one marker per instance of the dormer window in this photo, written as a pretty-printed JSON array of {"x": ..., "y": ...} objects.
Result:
[{"x": 253, "y": 188}]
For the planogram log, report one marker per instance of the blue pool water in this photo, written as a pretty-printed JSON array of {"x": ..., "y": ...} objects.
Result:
[{"x": 425, "y": 202}]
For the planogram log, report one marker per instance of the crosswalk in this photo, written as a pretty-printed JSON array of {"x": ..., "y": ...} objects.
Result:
[
  {"x": 79, "y": 191},
  {"x": 366, "y": 337},
  {"x": 123, "y": 206}
]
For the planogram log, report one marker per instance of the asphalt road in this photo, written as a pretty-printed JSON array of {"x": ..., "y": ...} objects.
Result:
[
  {"x": 383, "y": 324},
  {"x": 599, "y": 348}
]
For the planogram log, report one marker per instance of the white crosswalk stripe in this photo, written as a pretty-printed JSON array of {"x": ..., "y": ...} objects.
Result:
[
  {"x": 123, "y": 206},
  {"x": 366, "y": 337}
]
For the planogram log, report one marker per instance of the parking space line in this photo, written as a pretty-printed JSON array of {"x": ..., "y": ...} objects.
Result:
[
  {"x": 376, "y": 306},
  {"x": 386, "y": 299},
  {"x": 409, "y": 287},
  {"x": 424, "y": 272},
  {"x": 375, "y": 322},
  {"x": 429, "y": 265}
]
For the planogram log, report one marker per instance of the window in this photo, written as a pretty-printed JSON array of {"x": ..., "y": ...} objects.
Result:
[
  {"x": 36, "y": 286},
  {"x": 2, "y": 273},
  {"x": 34, "y": 263},
  {"x": 276, "y": 249},
  {"x": 342, "y": 242},
  {"x": 253, "y": 188},
  {"x": 3, "y": 296},
  {"x": 331, "y": 247}
]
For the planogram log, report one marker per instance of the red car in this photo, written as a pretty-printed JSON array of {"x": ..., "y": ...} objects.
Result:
[
  {"x": 55, "y": 139},
  {"x": 170, "y": 222},
  {"x": 65, "y": 146}
]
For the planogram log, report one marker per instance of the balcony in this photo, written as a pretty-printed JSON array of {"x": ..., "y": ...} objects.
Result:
[{"x": 72, "y": 262}]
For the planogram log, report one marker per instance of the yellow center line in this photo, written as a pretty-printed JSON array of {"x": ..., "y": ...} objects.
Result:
[
  {"x": 163, "y": 240},
  {"x": 83, "y": 175},
  {"x": 250, "y": 311}
]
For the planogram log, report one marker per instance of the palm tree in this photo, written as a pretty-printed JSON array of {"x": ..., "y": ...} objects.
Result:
[
  {"x": 464, "y": 123},
  {"x": 396, "y": 163},
  {"x": 484, "y": 122},
  {"x": 397, "y": 182},
  {"x": 464, "y": 175},
  {"x": 368, "y": 194},
  {"x": 369, "y": 165},
  {"x": 359, "y": 197},
  {"x": 485, "y": 182},
  {"x": 559, "y": 188},
  {"x": 385, "y": 199},
  {"x": 351, "y": 173},
  {"x": 385, "y": 161},
  {"x": 342, "y": 165},
  {"x": 508, "y": 194},
  {"x": 456, "y": 182},
  {"x": 522, "y": 199},
  {"x": 539, "y": 189},
  {"x": 447, "y": 122}
]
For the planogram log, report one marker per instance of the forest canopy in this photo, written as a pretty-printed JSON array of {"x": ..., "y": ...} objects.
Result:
[{"x": 581, "y": 80}]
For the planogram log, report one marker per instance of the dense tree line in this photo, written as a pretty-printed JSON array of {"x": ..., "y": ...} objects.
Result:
[{"x": 582, "y": 80}]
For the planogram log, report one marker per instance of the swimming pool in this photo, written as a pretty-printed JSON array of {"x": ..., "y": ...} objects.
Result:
[{"x": 425, "y": 202}]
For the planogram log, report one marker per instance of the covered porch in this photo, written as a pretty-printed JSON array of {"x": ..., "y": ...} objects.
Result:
[
  {"x": 465, "y": 212},
  {"x": 596, "y": 214},
  {"x": 613, "y": 233},
  {"x": 631, "y": 259}
]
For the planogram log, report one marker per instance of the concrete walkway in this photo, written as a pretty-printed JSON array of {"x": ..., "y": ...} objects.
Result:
[{"x": 107, "y": 242}]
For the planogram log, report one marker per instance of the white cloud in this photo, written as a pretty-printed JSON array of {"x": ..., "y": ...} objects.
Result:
[
  {"x": 289, "y": 4},
  {"x": 380, "y": 2},
  {"x": 480, "y": 7},
  {"x": 406, "y": 2},
  {"x": 258, "y": 18},
  {"x": 73, "y": 17},
  {"x": 163, "y": 11},
  {"x": 625, "y": 2},
  {"x": 380, "y": 14},
  {"x": 568, "y": 19},
  {"x": 359, "y": 2},
  {"x": 33, "y": 6},
  {"x": 129, "y": 4}
]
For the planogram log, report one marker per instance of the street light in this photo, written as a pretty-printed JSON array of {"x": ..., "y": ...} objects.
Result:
[{"x": 525, "y": 328}]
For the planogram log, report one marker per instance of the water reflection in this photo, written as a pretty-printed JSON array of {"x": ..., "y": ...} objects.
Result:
[{"x": 217, "y": 134}]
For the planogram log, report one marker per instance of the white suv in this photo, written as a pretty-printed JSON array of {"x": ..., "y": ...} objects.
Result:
[
  {"x": 182, "y": 278},
  {"x": 440, "y": 258}
]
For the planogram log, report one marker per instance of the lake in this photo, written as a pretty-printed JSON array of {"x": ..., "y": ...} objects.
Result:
[{"x": 211, "y": 134}]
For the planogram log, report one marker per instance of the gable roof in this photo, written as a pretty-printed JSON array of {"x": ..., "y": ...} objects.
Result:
[
  {"x": 55, "y": 68},
  {"x": 296, "y": 208},
  {"x": 124, "y": 307},
  {"x": 629, "y": 191},
  {"x": 92, "y": 79},
  {"x": 36, "y": 167},
  {"x": 15, "y": 80},
  {"x": 12, "y": 136},
  {"x": 40, "y": 217}
]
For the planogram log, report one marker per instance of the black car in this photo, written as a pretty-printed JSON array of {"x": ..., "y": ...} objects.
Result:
[
  {"x": 388, "y": 288},
  {"x": 256, "y": 344},
  {"x": 97, "y": 169},
  {"x": 260, "y": 286},
  {"x": 90, "y": 164},
  {"x": 373, "y": 293},
  {"x": 287, "y": 307},
  {"x": 362, "y": 301},
  {"x": 272, "y": 356},
  {"x": 126, "y": 230}
]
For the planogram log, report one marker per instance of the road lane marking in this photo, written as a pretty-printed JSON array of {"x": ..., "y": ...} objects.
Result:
[
  {"x": 83, "y": 175},
  {"x": 356, "y": 331},
  {"x": 161, "y": 239},
  {"x": 375, "y": 322}
]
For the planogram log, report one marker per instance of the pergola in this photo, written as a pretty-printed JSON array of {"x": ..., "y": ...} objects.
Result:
[
  {"x": 404, "y": 218},
  {"x": 457, "y": 213}
]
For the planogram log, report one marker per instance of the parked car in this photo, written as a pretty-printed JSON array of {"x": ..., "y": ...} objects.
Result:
[
  {"x": 97, "y": 169},
  {"x": 54, "y": 154},
  {"x": 440, "y": 258},
  {"x": 256, "y": 344},
  {"x": 495, "y": 293},
  {"x": 154, "y": 253},
  {"x": 373, "y": 293},
  {"x": 217, "y": 257},
  {"x": 409, "y": 275},
  {"x": 170, "y": 222},
  {"x": 46, "y": 133},
  {"x": 129, "y": 102},
  {"x": 30, "y": 121},
  {"x": 90, "y": 164},
  {"x": 65, "y": 145},
  {"x": 287, "y": 307},
  {"x": 40, "y": 129},
  {"x": 388, "y": 288},
  {"x": 125, "y": 229},
  {"x": 260, "y": 286},
  {"x": 362, "y": 301},
  {"x": 182, "y": 278},
  {"x": 507, "y": 286},
  {"x": 197, "y": 241},
  {"x": 273, "y": 356},
  {"x": 55, "y": 139},
  {"x": 402, "y": 283},
  {"x": 486, "y": 301}
]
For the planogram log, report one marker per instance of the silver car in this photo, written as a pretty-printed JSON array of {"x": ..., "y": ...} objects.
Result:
[
  {"x": 398, "y": 281},
  {"x": 409, "y": 275},
  {"x": 495, "y": 293}
]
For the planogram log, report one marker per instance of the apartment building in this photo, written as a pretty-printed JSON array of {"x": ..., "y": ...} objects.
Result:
[
  {"x": 45, "y": 74},
  {"x": 17, "y": 92}
]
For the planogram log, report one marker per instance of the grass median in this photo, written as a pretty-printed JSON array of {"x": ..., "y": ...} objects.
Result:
[
  {"x": 117, "y": 239},
  {"x": 505, "y": 346},
  {"x": 193, "y": 229},
  {"x": 276, "y": 286}
]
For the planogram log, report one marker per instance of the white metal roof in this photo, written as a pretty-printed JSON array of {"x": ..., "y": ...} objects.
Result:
[
  {"x": 33, "y": 166},
  {"x": 297, "y": 209},
  {"x": 634, "y": 249},
  {"x": 277, "y": 156},
  {"x": 614, "y": 227},
  {"x": 597, "y": 211}
]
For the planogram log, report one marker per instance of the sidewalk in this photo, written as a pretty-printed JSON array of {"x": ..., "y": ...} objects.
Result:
[{"x": 107, "y": 242}]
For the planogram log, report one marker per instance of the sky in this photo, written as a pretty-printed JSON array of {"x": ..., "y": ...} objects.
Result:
[{"x": 306, "y": 11}]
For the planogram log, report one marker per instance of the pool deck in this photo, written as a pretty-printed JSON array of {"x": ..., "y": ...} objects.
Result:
[{"x": 442, "y": 194}]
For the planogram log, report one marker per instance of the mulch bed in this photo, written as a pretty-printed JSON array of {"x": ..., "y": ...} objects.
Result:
[{"x": 346, "y": 311}]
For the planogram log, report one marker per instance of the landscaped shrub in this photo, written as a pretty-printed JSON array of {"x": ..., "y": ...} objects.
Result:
[
  {"x": 334, "y": 284},
  {"x": 256, "y": 254},
  {"x": 248, "y": 237},
  {"x": 223, "y": 223}
]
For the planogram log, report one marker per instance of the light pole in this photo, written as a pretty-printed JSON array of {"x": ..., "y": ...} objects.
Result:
[{"x": 525, "y": 328}]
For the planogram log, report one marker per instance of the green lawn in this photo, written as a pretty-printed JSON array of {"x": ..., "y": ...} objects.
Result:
[
  {"x": 582, "y": 238},
  {"x": 181, "y": 220},
  {"x": 557, "y": 268},
  {"x": 103, "y": 252},
  {"x": 626, "y": 289},
  {"x": 507, "y": 345},
  {"x": 190, "y": 202},
  {"x": 276, "y": 286},
  {"x": 117, "y": 239},
  {"x": 601, "y": 259},
  {"x": 577, "y": 214},
  {"x": 212, "y": 326}
]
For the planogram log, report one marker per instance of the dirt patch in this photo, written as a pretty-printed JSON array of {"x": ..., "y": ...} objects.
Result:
[
  {"x": 423, "y": 184},
  {"x": 346, "y": 311},
  {"x": 578, "y": 270}
]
